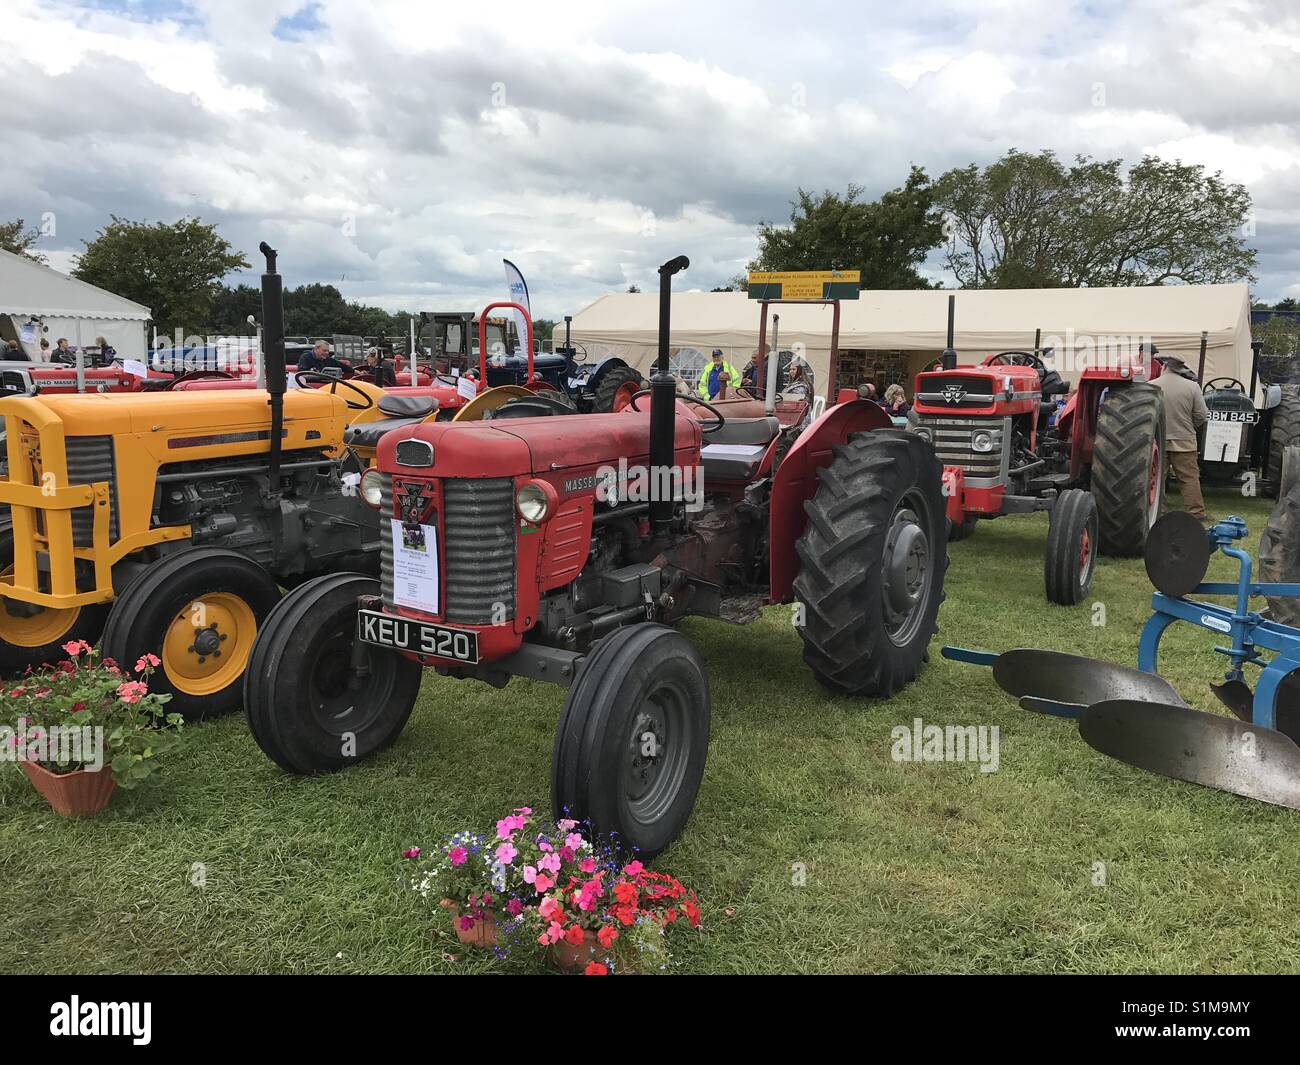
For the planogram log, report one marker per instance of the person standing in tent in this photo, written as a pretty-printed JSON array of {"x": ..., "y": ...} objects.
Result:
[
  {"x": 718, "y": 375},
  {"x": 1185, "y": 413}
]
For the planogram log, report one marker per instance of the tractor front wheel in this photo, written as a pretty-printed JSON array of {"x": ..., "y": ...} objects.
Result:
[
  {"x": 961, "y": 530},
  {"x": 1284, "y": 431},
  {"x": 1071, "y": 554},
  {"x": 616, "y": 389},
  {"x": 31, "y": 638},
  {"x": 198, "y": 612},
  {"x": 631, "y": 744},
  {"x": 1128, "y": 467},
  {"x": 312, "y": 707},
  {"x": 871, "y": 563}
]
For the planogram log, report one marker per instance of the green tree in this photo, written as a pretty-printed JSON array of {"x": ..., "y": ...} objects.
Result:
[
  {"x": 17, "y": 238},
  {"x": 174, "y": 268},
  {"x": 231, "y": 308},
  {"x": 1029, "y": 221},
  {"x": 887, "y": 239}
]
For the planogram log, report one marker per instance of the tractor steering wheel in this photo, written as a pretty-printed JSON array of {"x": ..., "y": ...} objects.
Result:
[
  {"x": 1232, "y": 382},
  {"x": 719, "y": 419},
  {"x": 1018, "y": 358},
  {"x": 304, "y": 377}
]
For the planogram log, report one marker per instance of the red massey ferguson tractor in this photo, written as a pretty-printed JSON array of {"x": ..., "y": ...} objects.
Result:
[
  {"x": 525, "y": 547},
  {"x": 1096, "y": 460}
]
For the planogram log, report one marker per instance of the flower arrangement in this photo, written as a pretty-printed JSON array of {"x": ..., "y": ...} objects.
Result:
[
  {"x": 84, "y": 714},
  {"x": 543, "y": 885}
]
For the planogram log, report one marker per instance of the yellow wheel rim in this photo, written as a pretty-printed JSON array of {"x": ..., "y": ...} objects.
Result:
[
  {"x": 490, "y": 400},
  {"x": 207, "y": 644},
  {"x": 44, "y": 627}
]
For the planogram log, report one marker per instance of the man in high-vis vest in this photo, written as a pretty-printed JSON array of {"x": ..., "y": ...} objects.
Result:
[{"x": 717, "y": 374}]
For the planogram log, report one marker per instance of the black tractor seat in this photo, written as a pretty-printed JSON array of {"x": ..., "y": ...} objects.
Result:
[
  {"x": 367, "y": 434},
  {"x": 734, "y": 451},
  {"x": 403, "y": 405}
]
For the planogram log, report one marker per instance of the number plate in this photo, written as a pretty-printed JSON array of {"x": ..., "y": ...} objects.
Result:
[
  {"x": 421, "y": 637},
  {"x": 1248, "y": 417}
]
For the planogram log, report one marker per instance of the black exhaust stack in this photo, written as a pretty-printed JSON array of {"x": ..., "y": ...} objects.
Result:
[
  {"x": 948, "y": 360},
  {"x": 663, "y": 390},
  {"x": 273, "y": 360}
]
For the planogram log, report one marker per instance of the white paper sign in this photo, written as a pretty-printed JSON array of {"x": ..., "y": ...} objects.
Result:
[
  {"x": 415, "y": 566},
  {"x": 466, "y": 387},
  {"x": 1222, "y": 441},
  {"x": 135, "y": 368}
]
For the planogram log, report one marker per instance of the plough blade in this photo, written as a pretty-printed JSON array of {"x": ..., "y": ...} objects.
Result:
[
  {"x": 1064, "y": 679},
  {"x": 1208, "y": 749},
  {"x": 1237, "y": 697}
]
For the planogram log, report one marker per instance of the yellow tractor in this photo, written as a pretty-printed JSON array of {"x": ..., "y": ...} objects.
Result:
[{"x": 168, "y": 523}]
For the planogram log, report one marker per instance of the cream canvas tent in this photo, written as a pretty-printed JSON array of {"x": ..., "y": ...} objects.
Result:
[
  {"x": 895, "y": 334},
  {"x": 37, "y": 302}
]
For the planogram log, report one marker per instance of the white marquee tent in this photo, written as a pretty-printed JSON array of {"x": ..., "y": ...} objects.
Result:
[
  {"x": 36, "y": 302},
  {"x": 1082, "y": 325}
]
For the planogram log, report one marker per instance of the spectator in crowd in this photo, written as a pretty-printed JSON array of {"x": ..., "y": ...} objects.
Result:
[
  {"x": 799, "y": 379},
  {"x": 1185, "y": 414},
  {"x": 13, "y": 353},
  {"x": 319, "y": 359},
  {"x": 45, "y": 350},
  {"x": 719, "y": 374},
  {"x": 63, "y": 353},
  {"x": 381, "y": 371},
  {"x": 107, "y": 354},
  {"x": 895, "y": 403}
]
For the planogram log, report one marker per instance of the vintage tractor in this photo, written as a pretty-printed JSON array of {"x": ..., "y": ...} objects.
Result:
[
  {"x": 601, "y": 386},
  {"x": 169, "y": 522},
  {"x": 562, "y": 548},
  {"x": 1095, "y": 460},
  {"x": 1242, "y": 440}
]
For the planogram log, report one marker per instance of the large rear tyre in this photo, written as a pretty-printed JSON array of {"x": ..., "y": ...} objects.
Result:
[
  {"x": 1128, "y": 467},
  {"x": 309, "y": 708},
  {"x": 29, "y": 641},
  {"x": 872, "y": 562},
  {"x": 617, "y": 387},
  {"x": 631, "y": 744},
  {"x": 198, "y": 610},
  {"x": 1284, "y": 432},
  {"x": 1071, "y": 552},
  {"x": 1279, "y": 544}
]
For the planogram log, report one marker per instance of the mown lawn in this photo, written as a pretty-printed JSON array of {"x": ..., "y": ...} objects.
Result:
[{"x": 910, "y": 867}]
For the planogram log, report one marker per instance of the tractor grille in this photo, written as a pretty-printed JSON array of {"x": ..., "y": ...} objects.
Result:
[
  {"x": 952, "y": 443},
  {"x": 478, "y": 534},
  {"x": 386, "y": 538},
  {"x": 90, "y": 459},
  {"x": 479, "y": 550}
]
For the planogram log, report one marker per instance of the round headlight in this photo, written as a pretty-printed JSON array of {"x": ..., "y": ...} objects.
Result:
[
  {"x": 531, "y": 502},
  {"x": 924, "y": 433},
  {"x": 372, "y": 487},
  {"x": 981, "y": 440}
]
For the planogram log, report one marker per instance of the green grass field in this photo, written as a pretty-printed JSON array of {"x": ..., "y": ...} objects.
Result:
[{"x": 918, "y": 867}]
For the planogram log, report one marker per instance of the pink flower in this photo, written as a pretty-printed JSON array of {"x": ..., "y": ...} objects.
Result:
[
  {"x": 458, "y": 855},
  {"x": 506, "y": 853},
  {"x": 514, "y": 907},
  {"x": 587, "y": 865},
  {"x": 566, "y": 824},
  {"x": 566, "y": 854},
  {"x": 76, "y": 647},
  {"x": 508, "y": 826},
  {"x": 633, "y": 868},
  {"x": 411, "y": 852},
  {"x": 466, "y": 923},
  {"x": 131, "y": 691},
  {"x": 544, "y": 883},
  {"x": 146, "y": 661},
  {"x": 525, "y": 810},
  {"x": 542, "y": 845},
  {"x": 550, "y": 908},
  {"x": 530, "y": 874},
  {"x": 573, "y": 841},
  {"x": 549, "y": 862}
]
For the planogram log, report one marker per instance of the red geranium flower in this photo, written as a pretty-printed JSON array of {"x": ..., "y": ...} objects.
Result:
[
  {"x": 595, "y": 969},
  {"x": 574, "y": 935},
  {"x": 606, "y": 935}
]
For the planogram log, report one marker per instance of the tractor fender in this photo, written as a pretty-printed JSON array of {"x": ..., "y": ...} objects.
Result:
[
  {"x": 588, "y": 374},
  {"x": 796, "y": 481}
]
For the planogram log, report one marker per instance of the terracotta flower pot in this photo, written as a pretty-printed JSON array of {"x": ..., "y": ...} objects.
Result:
[
  {"x": 575, "y": 958},
  {"x": 79, "y": 794},
  {"x": 483, "y": 934}
]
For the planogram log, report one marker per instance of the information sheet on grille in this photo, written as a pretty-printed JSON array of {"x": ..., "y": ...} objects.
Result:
[
  {"x": 1222, "y": 441},
  {"x": 415, "y": 566}
]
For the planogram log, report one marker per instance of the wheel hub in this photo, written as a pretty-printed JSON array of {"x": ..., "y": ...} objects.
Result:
[
  {"x": 906, "y": 576},
  {"x": 207, "y": 644},
  {"x": 645, "y": 755}
]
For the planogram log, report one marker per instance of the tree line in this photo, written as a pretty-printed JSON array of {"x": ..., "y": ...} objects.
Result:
[{"x": 1026, "y": 220}]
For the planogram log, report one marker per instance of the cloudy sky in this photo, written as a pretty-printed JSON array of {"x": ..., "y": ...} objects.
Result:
[{"x": 400, "y": 149}]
